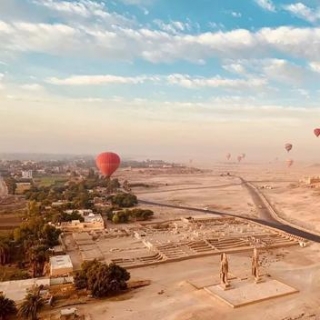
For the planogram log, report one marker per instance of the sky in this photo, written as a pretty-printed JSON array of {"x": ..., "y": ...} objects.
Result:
[{"x": 176, "y": 79}]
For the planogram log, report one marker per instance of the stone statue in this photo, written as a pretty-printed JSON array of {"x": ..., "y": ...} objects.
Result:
[
  {"x": 255, "y": 265},
  {"x": 224, "y": 269}
]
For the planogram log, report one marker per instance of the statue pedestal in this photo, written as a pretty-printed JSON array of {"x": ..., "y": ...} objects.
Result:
[
  {"x": 225, "y": 287},
  {"x": 258, "y": 280},
  {"x": 247, "y": 292}
]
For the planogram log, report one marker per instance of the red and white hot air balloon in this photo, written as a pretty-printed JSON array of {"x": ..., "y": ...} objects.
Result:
[
  {"x": 108, "y": 163},
  {"x": 288, "y": 146},
  {"x": 316, "y": 131}
]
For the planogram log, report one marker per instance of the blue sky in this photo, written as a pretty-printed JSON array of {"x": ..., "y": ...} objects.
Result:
[{"x": 160, "y": 77}]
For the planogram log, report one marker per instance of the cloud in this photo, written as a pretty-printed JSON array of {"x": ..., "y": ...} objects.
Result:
[
  {"x": 32, "y": 87},
  {"x": 86, "y": 10},
  {"x": 120, "y": 42},
  {"x": 266, "y": 5},
  {"x": 235, "y": 68},
  {"x": 286, "y": 72},
  {"x": 300, "y": 10},
  {"x": 187, "y": 81},
  {"x": 236, "y": 14},
  {"x": 173, "y": 27},
  {"x": 97, "y": 80},
  {"x": 315, "y": 66},
  {"x": 216, "y": 82}
]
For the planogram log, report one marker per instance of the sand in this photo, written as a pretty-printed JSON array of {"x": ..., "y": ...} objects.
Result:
[{"x": 171, "y": 296}]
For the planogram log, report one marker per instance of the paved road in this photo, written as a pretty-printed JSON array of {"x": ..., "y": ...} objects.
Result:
[
  {"x": 265, "y": 217},
  {"x": 263, "y": 211},
  {"x": 222, "y": 186}
]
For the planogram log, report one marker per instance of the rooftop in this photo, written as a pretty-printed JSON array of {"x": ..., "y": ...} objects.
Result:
[{"x": 60, "y": 262}]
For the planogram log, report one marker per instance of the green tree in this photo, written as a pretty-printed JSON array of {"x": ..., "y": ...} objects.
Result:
[
  {"x": 5, "y": 250},
  {"x": 124, "y": 200},
  {"x": 31, "y": 305},
  {"x": 38, "y": 256},
  {"x": 11, "y": 185},
  {"x": 7, "y": 307},
  {"x": 102, "y": 279}
]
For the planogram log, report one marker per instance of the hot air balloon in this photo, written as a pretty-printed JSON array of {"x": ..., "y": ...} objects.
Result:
[
  {"x": 239, "y": 158},
  {"x": 288, "y": 146},
  {"x": 289, "y": 162},
  {"x": 243, "y": 155},
  {"x": 316, "y": 131},
  {"x": 228, "y": 156},
  {"x": 108, "y": 163}
]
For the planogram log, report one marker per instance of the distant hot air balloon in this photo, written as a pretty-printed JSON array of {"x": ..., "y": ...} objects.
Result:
[
  {"x": 289, "y": 162},
  {"x": 228, "y": 156},
  {"x": 108, "y": 163},
  {"x": 316, "y": 131},
  {"x": 243, "y": 155},
  {"x": 239, "y": 158},
  {"x": 288, "y": 146}
]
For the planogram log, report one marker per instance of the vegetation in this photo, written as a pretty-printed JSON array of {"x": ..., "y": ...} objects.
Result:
[
  {"x": 127, "y": 215},
  {"x": 101, "y": 279},
  {"x": 124, "y": 200},
  {"x": 31, "y": 305},
  {"x": 5, "y": 250},
  {"x": 7, "y": 307},
  {"x": 65, "y": 217},
  {"x": 11, "y": 185}
]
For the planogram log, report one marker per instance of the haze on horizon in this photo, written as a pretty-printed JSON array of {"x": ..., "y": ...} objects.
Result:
[{"x": 174, "y": 79}]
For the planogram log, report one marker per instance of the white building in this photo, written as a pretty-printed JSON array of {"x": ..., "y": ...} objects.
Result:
[
  {"x": 60, "y": 266},
  {"x": 26, "y": 174}
]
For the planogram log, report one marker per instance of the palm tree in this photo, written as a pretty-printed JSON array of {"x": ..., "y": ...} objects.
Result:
[
  {"x": 7, "y": 307},
  {"x": 31, "y": 305},
  {"x": 5, "y": 251}
]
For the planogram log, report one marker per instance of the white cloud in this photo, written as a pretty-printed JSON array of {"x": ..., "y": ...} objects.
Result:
[
  {"x": 236, "y": 14},
  {"x": 86, "y": 10},
  {"x": 286, "y": 72},
  {"x": 235, "y": 68},
  {"x": 173, "y": 27},
  {"x": 216, "y": 82},
  {"x": 32, "y": 87},
  {"x": 186, "y": 81},
  {"x": 315, "y": 66},
  {"x": 300, "y": 10},
  {"x": 96, "y": 80},
  {"x": 126, "y": 43},
  {"x": 266, "y": 5}
]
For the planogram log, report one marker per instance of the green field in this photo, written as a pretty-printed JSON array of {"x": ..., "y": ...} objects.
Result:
[{"x": 48, "y": 181}]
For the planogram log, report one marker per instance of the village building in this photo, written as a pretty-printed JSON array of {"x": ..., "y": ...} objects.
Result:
[{"x": 61, "y": 266}]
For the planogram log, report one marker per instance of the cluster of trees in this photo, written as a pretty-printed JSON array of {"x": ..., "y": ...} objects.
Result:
[
  {"x": 65, "y": 217},
  {"x": 29, "y": 308},
  {"x": 32, "y": 240},
  {"x": 101, "y": 279},
  {"x": 128, "y": 215},
  {"x": 29, "y": 244},
  {"x": 77, "y": 194},
  {"x": 11, "y": 185},
  {"x": 124, "y": 200}
]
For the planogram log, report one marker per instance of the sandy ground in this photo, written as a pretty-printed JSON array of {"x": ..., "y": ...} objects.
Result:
[
  {"x": 181, "y": 301},
  {"x": 295, "y": 266}
]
